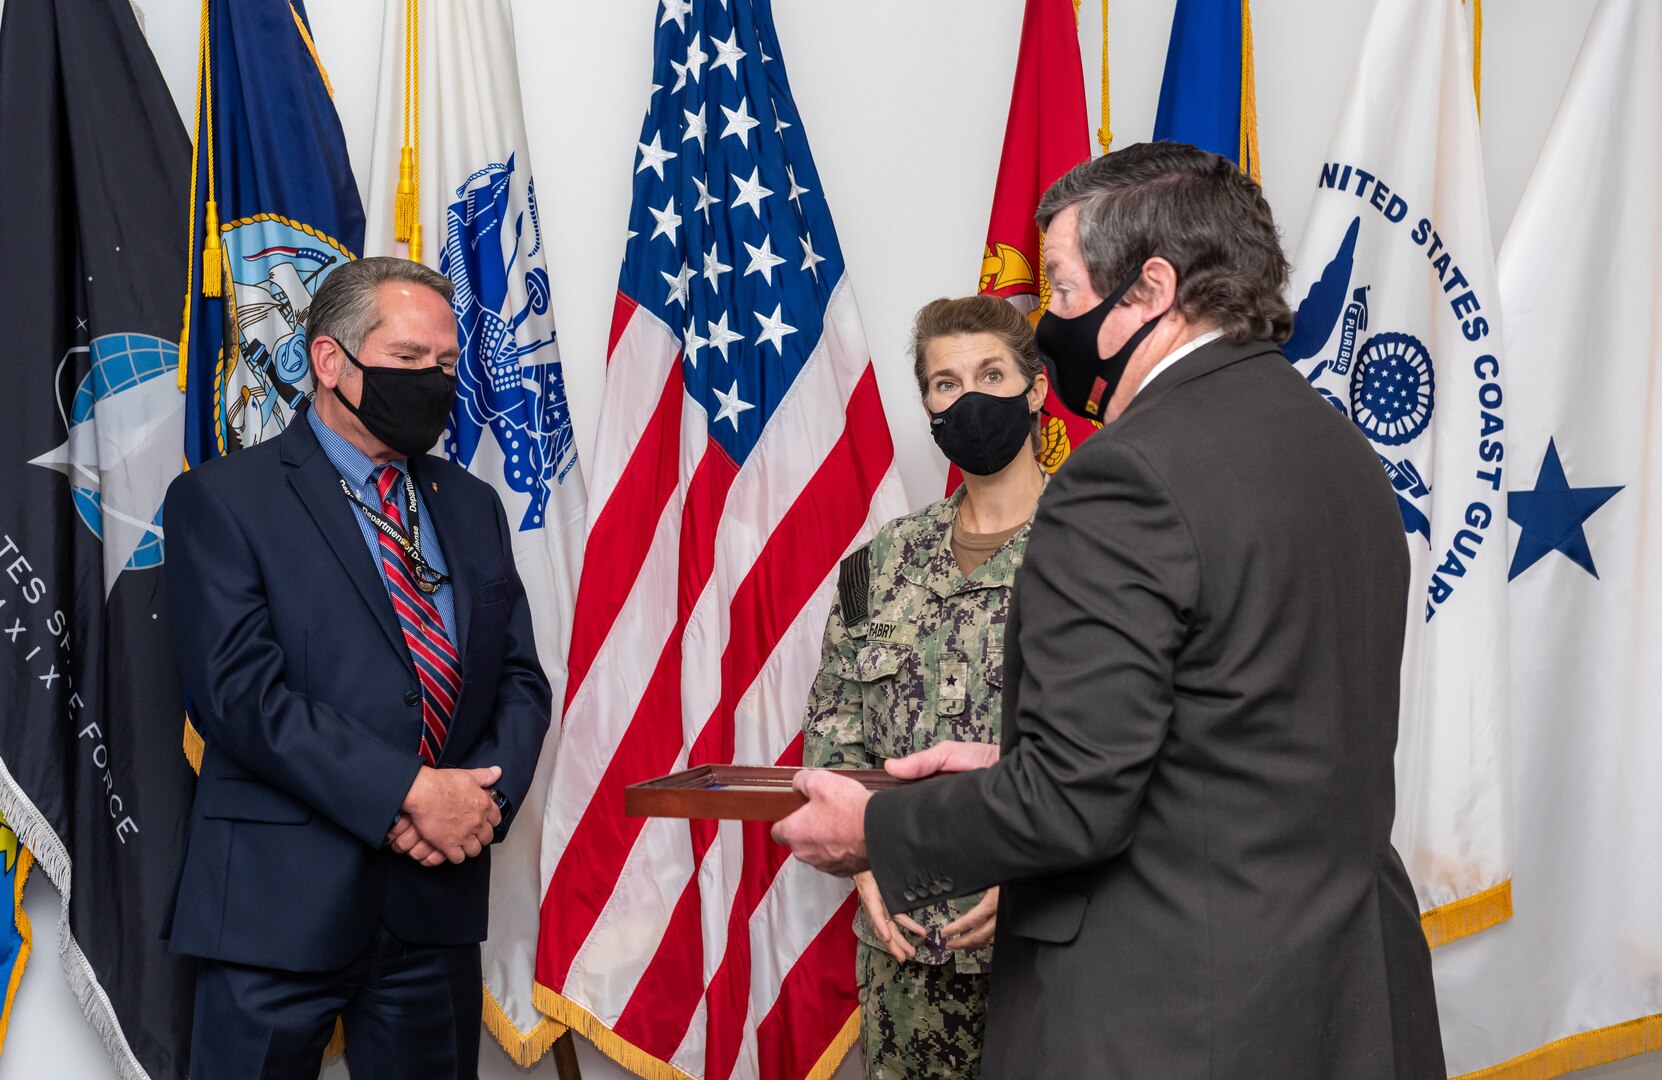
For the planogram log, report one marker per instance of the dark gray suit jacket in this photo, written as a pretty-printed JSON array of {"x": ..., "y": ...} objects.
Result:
[{"x": 1192, "y": 815}]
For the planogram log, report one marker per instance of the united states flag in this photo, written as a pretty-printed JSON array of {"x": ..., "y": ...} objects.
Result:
[{"x": 742, "y": 450}]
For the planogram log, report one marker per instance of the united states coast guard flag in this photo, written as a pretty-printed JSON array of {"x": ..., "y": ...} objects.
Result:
[
  {"x": 742, "y": 452},
  {"x": 448, "y": 65},
  {"x": 1571, "y": 981},
  {"x": 1398, "y": 327}
]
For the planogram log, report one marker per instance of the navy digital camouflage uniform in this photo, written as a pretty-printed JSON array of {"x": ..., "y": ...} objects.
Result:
[{"x": 923, "y": 665}]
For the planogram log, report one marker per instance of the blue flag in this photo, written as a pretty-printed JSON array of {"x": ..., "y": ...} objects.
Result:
[
  {"x": 275, "y": 210},
  {"x": 1206, "y": 95}
]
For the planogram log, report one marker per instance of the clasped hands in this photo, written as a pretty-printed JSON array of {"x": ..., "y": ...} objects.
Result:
[
  {"x": 448, "y": 815},
  {"x": 829, "y": 834}
]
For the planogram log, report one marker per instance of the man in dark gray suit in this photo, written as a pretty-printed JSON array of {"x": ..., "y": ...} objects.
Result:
[{"x": 1191, "y": 815}]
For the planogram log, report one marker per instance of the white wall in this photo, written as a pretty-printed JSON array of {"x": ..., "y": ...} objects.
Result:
[{"x": 904, "y": 101}]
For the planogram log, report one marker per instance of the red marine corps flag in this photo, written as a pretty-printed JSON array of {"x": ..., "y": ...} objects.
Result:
[{"x": 1047, "y": 133}]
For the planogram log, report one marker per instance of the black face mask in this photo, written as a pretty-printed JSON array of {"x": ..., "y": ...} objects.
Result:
[
  {"x": 1084, "y": 381},
  {"x": 982, "y": 433},
  {"x": 403, "y": 407}
]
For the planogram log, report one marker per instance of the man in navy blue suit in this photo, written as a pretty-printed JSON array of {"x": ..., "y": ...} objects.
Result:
[{"x": 357, "y": 651}]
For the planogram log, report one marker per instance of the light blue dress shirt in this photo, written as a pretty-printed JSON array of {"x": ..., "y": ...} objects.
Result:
[{"x": 358, "y": 471}]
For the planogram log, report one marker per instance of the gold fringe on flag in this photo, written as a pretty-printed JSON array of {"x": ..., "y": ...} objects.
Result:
[
  {"x": 525, "y": 1048},
  {"x": 1248, "y": 153},
  {"x": 1467, "y": 915},
  {"x": 337, "y": 1042},
  {"x": 1580, "y": 1051},
  {"x": 193, "y": 746},
  {"x": 311, "y": 47},
  {"x": 607, "y": 1041},
  {"x": 839, "y": 1048}
]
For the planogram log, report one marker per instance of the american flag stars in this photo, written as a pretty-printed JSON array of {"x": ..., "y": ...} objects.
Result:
[{"x": 721, "y": 142}]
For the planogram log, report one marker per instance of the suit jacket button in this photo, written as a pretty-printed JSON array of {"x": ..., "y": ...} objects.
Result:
[
  {"x": 910, "y": 895},
  {"x": 412, "y": 698}
]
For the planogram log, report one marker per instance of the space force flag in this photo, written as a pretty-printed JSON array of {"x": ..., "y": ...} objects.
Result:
[
  {"x": 1398, "y": 327},
  {"x": 93, "y": 166},
  {"x": 459, "y": 193}
]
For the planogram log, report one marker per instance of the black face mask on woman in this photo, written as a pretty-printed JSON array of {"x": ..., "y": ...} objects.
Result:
[
  {"x": 1084, "y": 380},
  {"x": 981, "y": 433},
  {"x": 403, "y": 407}
]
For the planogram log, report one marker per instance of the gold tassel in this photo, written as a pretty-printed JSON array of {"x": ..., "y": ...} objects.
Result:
[
  {"x": 1105, "y": 133},
  {"x": 404, "y": 203},
  {"x": 184, "y": 348},
  {"x": 1248, "y": 153},
  {"x": 1477, "y": 55},
  {"x": 212, "y": 263}
]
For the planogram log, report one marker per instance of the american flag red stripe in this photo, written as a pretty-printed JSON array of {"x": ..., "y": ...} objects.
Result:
[
  {"x": 742, "y": 452},
  {"x": 807, "y": 1012}
]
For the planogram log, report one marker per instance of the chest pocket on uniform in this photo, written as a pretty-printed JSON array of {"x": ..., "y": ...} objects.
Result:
[{"x": 884, "y": 698}]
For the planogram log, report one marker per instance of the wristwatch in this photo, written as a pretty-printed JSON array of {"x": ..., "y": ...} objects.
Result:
[{"x": 502, "y": 803}]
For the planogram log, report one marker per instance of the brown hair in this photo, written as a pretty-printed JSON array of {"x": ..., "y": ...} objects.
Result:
[
  {"x": 1197, "y": 211},
  {"x": 975, "y": 315}
]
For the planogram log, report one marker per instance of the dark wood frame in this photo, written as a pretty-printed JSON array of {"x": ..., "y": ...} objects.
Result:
[{"x": 731, "y": 792}]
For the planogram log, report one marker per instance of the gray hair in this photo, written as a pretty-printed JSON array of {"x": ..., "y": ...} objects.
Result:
[
  {"x": 347, "y": 305},
  {"x": 1195, "y": 210}
]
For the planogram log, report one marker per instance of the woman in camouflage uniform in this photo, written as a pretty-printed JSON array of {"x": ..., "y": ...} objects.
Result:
[{"x": 914, "y": 654}]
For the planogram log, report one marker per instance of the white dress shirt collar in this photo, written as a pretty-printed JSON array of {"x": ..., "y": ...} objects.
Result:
[{"x": 1177, "y": 354}]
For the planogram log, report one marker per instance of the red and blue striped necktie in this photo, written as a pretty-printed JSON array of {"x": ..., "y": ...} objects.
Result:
[{"x": 436, "y": 663}]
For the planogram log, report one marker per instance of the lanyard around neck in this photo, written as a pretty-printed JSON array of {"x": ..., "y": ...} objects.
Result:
[{"x": 427, "y": 579}]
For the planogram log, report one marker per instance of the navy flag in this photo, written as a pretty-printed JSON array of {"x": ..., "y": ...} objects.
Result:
[
  {"x": 92, "y": 162},
  {"x": 274, "y": 210}
]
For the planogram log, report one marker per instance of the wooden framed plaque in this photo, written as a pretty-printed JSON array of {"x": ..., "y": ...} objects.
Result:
[{"x": 731, "y": 792}]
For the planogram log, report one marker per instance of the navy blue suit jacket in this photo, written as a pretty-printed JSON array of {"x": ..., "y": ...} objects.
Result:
[{"x": 303, "y": 689}]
